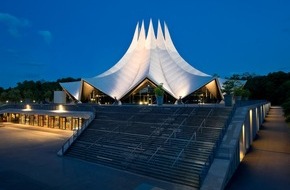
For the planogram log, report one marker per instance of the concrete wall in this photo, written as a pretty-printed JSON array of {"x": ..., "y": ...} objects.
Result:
[
  {"x": 59, "y": 97},
  {"x": 240, "y": 134}
]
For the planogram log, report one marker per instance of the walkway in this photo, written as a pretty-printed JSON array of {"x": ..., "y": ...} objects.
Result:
[
  {"x": 267, "y": 164},
  {"x": 28, "y": 160}
]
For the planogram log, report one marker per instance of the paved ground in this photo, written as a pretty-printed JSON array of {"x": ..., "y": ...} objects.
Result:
[
  {"x": 267, "y": 165},
  {"x": 28, "y": 160}
]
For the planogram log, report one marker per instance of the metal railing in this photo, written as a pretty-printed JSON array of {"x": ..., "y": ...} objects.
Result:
[
  {"x": 191, "y": 138},
  {"x": 172, "y": 117},
  {"x": 75, "y": 135},
  {"x": 177, "y": 158},
  {"x": 157, "y": 149},
  {"x": 202, "y": 124}
]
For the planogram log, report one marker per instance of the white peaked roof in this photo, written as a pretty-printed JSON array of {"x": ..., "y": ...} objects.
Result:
[
  {"x": 73, "y": 88},
  {"x": 152, "y": 57}
]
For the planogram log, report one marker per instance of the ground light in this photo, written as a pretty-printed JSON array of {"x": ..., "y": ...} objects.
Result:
[
  {"x": 27, "y": 108},
  {"x": 60, "y": 108}
]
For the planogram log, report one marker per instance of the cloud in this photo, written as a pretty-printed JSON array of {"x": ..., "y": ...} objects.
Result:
[
  {"x": 13, "y": 23},
  {"x": 47, "y": 36}
]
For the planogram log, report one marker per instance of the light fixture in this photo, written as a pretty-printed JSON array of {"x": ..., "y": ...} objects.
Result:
[
  {"x": 60, "y": 108},
  {"x": 27, "y": 108}
]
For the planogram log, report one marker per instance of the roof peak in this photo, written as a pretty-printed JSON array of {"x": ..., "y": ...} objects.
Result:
[
  {"x": 153, "y": 57},
  {"x": 149, "y": 32}
]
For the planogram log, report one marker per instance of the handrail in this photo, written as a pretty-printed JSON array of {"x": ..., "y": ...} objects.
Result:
[
  {"x": 133, "y": 151},
  {"x": 140, "y": 144},
  {"x": 200, "y": 126},
  {"x": 157, "y": 149},
  {"x": 177, "y": 157},
  {"x": 204, "y": 120},
  {"x": 102, "y": 137},
  {"x": 211, "y": 156},
  {"x": 128, "y": 120},
  {"x": 193, "y": 135},
  {"x": 75, "y": 135},
  {"x": 174, "y": 115},
  {"x": 191, "y": 113},
  {"x": 152, "y": 133},
  {"x": 174, "y": 131}
]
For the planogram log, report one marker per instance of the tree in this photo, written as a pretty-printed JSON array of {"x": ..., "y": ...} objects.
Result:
[
  {"x": 33, "y": 90},
  {"x": 48, "y": 96},
  {"x": 28, "y": 95},
  {"x": 14, "y": 95},
  {"x": 232, "y": 86},
  {"x": 228, "y": 87},
  {"x": 273, "y": 87},
  {"x": 286, "y": 108},
  {"x": 3, "y": 96}
]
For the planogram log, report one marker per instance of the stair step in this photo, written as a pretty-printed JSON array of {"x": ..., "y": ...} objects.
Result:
[{"x": 153, "y": 141}]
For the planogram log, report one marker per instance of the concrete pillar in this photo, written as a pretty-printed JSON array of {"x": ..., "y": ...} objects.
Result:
[
  {"x": 254, "y": 117},
  {"x": 251, "y": 126},
  {"x": 242, "y": 143}
]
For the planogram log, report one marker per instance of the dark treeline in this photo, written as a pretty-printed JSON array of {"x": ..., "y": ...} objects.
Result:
[
  {"x": 30, "y": 91},
  {"x": 274, "y": 87}
]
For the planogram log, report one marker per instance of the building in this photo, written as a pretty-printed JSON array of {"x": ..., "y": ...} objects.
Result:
[
  {"x": 57, "y": 116},
  {"x": 150, "y": 60}
]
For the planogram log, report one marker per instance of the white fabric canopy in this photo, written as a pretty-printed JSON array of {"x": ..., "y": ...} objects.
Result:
[
  {"x": 73, "y": 88},
  {"x": 148, "y": 57}
]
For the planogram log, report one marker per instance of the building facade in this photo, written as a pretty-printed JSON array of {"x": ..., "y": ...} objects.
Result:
[{"x": 150, "y": 60}]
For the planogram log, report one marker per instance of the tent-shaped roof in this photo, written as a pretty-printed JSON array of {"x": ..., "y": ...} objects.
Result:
[
  {"x": 148, "y": 57},
  {"x": 73, "y": 88}
]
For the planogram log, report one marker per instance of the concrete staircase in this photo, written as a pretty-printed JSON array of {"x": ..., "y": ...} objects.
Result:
[{"x": 175, "y": 144}]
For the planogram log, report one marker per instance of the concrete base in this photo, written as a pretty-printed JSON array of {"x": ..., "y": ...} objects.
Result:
[
  {"x": 216, "y": 175},
  {"x": 228, "y": 100}
]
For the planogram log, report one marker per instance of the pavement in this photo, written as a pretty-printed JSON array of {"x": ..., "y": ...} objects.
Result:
[
  {"x": 28, "y": 160},
  {"x": 267, "y": 164}
]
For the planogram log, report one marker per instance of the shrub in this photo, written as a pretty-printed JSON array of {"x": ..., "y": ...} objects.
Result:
[
  {"x": 159, "y": 91},
  {"x": 286, "y": 108}
]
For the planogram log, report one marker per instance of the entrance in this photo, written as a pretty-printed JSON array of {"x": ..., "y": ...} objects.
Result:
[
  {"x": 146, "y": 99},
  {"x": 62, "y": 123},
  {"x": 51, "y": 122},
  {"x": 75, "y": 124}
]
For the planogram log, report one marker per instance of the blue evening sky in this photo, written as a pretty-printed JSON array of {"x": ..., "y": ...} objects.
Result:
[{"x": 52, "y": 39}]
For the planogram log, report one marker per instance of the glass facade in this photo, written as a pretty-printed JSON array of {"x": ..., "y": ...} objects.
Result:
[
  {"x": 144, "y": 94},
  {"x": 49, "y": 121}
]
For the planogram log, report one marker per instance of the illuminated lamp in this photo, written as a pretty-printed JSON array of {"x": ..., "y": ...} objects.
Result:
[{"x": 61, "y": 108}]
